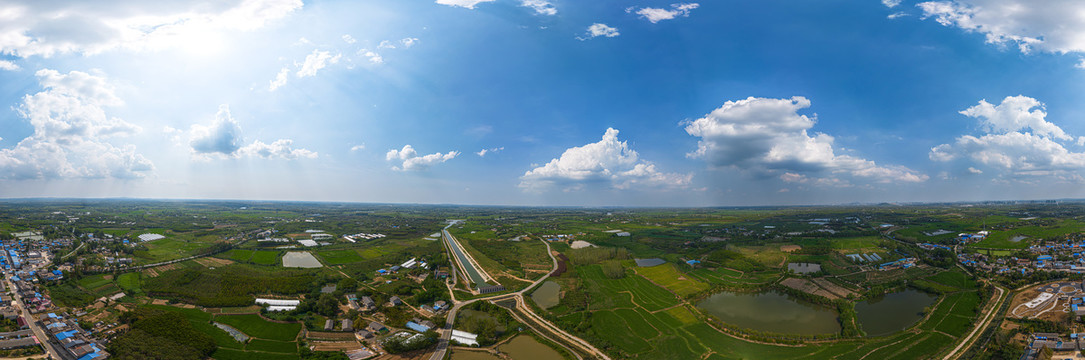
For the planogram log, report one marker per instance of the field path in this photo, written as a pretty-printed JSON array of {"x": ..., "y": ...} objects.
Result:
[{"x": 992, "y": 308}]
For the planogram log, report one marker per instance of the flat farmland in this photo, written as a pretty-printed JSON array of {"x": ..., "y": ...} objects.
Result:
[
  {"x": 255, "y": 326},
  {"x": 669, "y": 277},
  {"x": 339, "y": 257}
]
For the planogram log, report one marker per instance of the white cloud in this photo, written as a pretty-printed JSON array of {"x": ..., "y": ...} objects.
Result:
[
  {"x": 609, "y": 161},
  {"x": 386, "y": 45},
  {"x": 71, "y": 132},
  {"x": 891, "y": 3},
  {"x": 280, "y": 79},
  {"x": 896, "y": 15},
  {"x": 47, "y": 28},
  {"x": 8, "y": 65},
  {"x": 598, "y": 29},
  {"x": 222, "y": 139},
  {"x": 1055, "y": 26},
  {"x": 349, "y": 39},
  {"x": 483, "y": 152},
  {"x": 768, "y": 136},
  {"x": 541, "y": 7},
  {"x": 358, "y": 147},
  {"x": 470, "y": 4},
  {"x": 315, "y": 61},
  {"x": 408, "y": 42},
  {"x": 1009, "y": 146},
  {"x": 974, "y": 170},
  {"x": 656, "y": 15},
  {"x": 281, "y": 149},
  {"x": 1014, "y": 114},
  {"x": 410, "y": 161},
  {"x": 372, "y": 56}
]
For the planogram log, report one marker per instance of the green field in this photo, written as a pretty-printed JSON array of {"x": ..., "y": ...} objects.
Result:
[
  {"x": 201, "y": 321},
  {"x": 230, "y": 354},
  {"x": 288, "y": 347},
  {"x": 266, "y": 257},
  {"x": 168, "y": 249},
  {"x": 255, "y": 326},
  {"x": 339, "y": 257},
  {"x": 954, "y": 278},
  {"x": 669, "y": 277},
  {"x": 237, "y": 255},
  {"x": 1001, "y": 239},
  {"x": 129, "y": 282}
]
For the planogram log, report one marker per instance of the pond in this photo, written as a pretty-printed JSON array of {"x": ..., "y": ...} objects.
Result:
[
  {"x": 300, "y": 259},
  {"x": 771, "y": 311},
  {"x": 524, "y": 347},
  {"x": 894, "y": 312},
  {"x": 547, "y": 294},
  {"x": 650, "y": 262}
]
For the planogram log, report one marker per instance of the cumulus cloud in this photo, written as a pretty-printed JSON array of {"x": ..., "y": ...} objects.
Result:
[
  {"x": 8, "y": 65},
  {"x": 358, "y": 147},
  {"x": 373, "y": 57},
  {"x": 385, "y": 44},
  {"x": 409, "y": 160},
  {"x": 1052, "y": 26},
  {"x": 47, "y": 28},
  {"x": 768, "y": 136},
  {"x": 655, "y": 15},
  {"x": 71, "y": 129},
  {"x": 349, "y": 39},
  {"x": 280, "y": 79},
  {"x": 541, "y": 7},
  {"x": 609, "y": 162},
  {"x": 315, "y": 61},
  {"x": 483, "y": 152},
  {"x": 599, "y": 29},
  {"x": 223, "y": 139},
  {"x": 408, "y": 42},
  {"x": 470, "y": 4},
  {"x": 1020, "y": 141},
  {"x": 891, "y": 3}
]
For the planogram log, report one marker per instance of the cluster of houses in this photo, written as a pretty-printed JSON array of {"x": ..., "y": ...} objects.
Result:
[
  {"x": 409, "y": 264},
  {"x": 902, "y": 263},
  {"x": 1037, "y": 342},
  {"x": 71, "y": 338},
  {"x": 1063, "y": 255}
]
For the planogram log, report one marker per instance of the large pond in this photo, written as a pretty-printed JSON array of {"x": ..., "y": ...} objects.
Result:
[
  {"x": 771, "y": 311},
  {"x": 300, "y": 259},
  {"x": 547, "y": 295},
  {"x": 894, "y": 312}
]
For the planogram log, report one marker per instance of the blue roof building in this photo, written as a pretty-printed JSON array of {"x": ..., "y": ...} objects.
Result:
[{"x": 417, "y": 327}]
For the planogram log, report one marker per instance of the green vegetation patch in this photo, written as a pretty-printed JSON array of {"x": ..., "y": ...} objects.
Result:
[
  {"x": 339, "y": 257},
  {"x": 255, "y": 326},
  {"x": 266, "y": 257},
  {"x": 288, "y": 347},
  {"x": 669, "y": 277}
]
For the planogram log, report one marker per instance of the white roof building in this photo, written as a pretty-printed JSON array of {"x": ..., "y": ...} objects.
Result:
[
  {"x": 150, "y": 237},
  {"x": 277, "y": 302},
  {"x": 464, "y": 337},
  {"x": 308, "y": 242}
]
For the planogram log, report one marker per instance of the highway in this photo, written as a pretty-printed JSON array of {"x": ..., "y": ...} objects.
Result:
[{"x": 446, "y": 331}]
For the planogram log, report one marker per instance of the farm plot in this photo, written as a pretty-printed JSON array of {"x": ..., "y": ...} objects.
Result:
[
  {"x": 669, "y": 277},
  {"x": 339, "y": 257},
  {"x": 255, "y": 326},
  {"x": 264, "y": 257}
]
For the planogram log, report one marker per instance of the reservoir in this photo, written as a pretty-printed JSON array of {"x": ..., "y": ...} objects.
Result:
[
  {"x": 771, "y": 311},
  {"x": 894, "y": 312}
]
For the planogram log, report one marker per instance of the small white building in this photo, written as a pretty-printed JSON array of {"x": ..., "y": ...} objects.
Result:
[{"x": 464, "y": 337}]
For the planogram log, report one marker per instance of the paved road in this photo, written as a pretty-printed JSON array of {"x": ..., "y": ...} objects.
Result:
[
  {"x": 980, "y": 327},
  {"x": 446, "y": 332},
  {"x": 38, "y": 331}
]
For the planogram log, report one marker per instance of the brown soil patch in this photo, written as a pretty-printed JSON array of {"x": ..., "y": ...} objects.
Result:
[
  {"x": 160, "y": 302},
  {"x": 808, "y": 287},
  {"x": 833, "y": 287},
  {"x": 150, "y": 273},
  {"x": 790, "y": 248},
  {"x": 213, "y": 262},
  {"x": 324, "y": 335},
  {"x": 107, "y": 277},
  {"x": 165, "y": 268},
  {"x": 335, "y": 346}
]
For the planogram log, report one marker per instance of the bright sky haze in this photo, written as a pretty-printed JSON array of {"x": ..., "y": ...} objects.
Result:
[{"x": 544, "y": 102}]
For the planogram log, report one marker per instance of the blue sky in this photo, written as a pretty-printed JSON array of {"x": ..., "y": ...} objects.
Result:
[{"x": 574, "y": 102}]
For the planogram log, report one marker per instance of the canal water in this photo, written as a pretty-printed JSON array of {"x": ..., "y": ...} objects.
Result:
[
  {"x": 894, "y": 312},
  {"x": 771, "y": 311}
]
